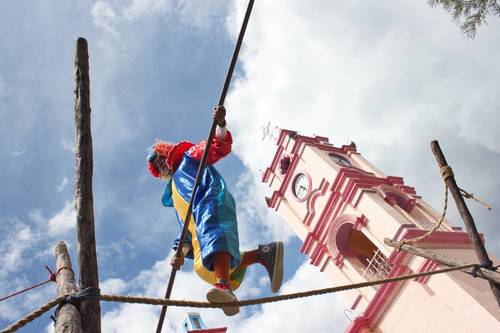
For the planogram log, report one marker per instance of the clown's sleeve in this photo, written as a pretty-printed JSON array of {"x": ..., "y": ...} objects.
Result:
[
  {"x": 187, "y": 240},
  {"x": 219, "y": 148}
]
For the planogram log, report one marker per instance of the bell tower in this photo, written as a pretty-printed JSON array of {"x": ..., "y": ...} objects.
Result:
[{"x": 342, "y": 207}]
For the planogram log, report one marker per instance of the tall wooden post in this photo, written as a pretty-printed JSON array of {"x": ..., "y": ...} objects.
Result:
[
  {"x": 470, "y": 226},
  {"x": 68, "y": 318},
  {"x": 90, "y": 310}
]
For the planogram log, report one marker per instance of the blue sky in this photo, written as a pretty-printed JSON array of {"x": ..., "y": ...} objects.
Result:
[{"x": 390, "y": 76}]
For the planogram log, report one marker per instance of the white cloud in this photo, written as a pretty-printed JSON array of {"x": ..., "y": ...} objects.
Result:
[
  {"x": 50, "y": 328},
  {"x": 64, "y": 220},
  {"x": 120, "y": 249},
  {"x": 15, "y": 243},
  {"x": 113, "y": 286},
  {"x": 200, "y": 13},
  {"x": 108, "y": 14},
  {"x": 256, "y": 223},
  {"x": 144, "y": 8},
  {"x": 16, "y": 246},
  {"x": 37, "y": 216},
  {"x": 313, "y": 314},
  {"x": 131, "y": 318},
  {"x": 63, "y": 184},
  {"x": 104, "y": 15},
  {"x": 15, "y": 308},
  {"x": 390, "y": 76},
  {"x": 25, "y": 248}
]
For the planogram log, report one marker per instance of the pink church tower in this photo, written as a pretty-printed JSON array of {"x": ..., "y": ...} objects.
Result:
[{"x": 342, "y": 207}]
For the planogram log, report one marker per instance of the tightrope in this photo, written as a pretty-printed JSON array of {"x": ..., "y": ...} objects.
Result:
[
  {"x": 277, "y": 298},
  {"x": 194, "y": 304},
  {"x": 35, "y": 314}
]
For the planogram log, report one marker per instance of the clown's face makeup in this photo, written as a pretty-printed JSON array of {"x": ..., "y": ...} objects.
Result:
[
  {"x": 165, "y": 175},
  {"x": 162, "y": 158},
  {"x": 157, "y": 165},
  {"x": 161, "y": 165}
]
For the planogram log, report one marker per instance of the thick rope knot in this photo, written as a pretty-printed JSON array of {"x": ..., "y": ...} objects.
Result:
[
  {"x": 446, "y": 172},
  {"x": 53, "y": 275},
  {"x": 76, "y": 298},
  {"x": 487, "y": 264},
  {"x": 468, "y": 195},
  {"x": 84, "y": 294},
  {"x": 399, "y": 244}
]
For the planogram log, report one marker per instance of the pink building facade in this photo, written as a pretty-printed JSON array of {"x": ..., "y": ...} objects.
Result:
[{"x": 342, "y": 207}]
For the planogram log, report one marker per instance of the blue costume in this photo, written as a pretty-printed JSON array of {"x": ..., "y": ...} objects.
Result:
[{"x": 213, "y": 225}]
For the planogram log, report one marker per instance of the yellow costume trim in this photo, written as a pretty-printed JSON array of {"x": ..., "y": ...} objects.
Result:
[{"x": 208, "y": 276}]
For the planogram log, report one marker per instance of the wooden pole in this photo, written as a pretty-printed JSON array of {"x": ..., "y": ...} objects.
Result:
[
  {"x": 447, "y": 261},
  {"x": 90, "y": 310},
  {"x": 68, "y": 319},
  {"x": 470, "y": 226},
  {"x": 201, "y": 167}
]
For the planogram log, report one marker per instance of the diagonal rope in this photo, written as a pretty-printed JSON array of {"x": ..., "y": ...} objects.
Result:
[
  {"x": 33, "y": 315},
  {"x": 446, "y": 172},
  {"x": 167, "y": 302},
  {"x": 468, "y": 195},
  {"x": 52, "y": 278}
]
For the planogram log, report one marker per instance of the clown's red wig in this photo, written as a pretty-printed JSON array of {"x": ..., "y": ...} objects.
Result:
[
  {"x": 170, "y": 153},
  {"x": 162, "y": 148}
]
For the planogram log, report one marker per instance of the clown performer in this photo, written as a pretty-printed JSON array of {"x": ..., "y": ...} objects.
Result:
[{"x": 212, "y": 237}]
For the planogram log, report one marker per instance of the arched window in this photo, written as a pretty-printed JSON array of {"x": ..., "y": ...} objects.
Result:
[
  {"x": 407, "y": 206},
  {"x": 284, "y": 164},
  {"x": 404, "y": 202},
  {"x": 346, "y": 243}
]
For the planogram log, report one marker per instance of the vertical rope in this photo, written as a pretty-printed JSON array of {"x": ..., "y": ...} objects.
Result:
[{"x": 446, "y": 172}]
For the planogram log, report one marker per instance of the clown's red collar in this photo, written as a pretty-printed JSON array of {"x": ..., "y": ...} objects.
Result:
[{"x": 174, "y": 157}]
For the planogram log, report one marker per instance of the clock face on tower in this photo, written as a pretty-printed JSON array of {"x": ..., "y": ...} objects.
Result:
[{"x": 301, "y": 186}]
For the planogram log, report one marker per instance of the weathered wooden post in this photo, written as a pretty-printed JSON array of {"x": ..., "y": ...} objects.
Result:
[
  {"x": 68, "y": 317},
  {"x": 470, "y": 226},
  {"x": 90, "y": 309}
]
